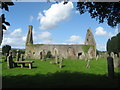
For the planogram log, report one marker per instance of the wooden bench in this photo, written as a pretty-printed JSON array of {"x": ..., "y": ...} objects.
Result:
[{"x": 23, "y": 63}]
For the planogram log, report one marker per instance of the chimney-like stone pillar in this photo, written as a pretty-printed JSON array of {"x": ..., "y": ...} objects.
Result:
[{"x": 29, "y": 39}]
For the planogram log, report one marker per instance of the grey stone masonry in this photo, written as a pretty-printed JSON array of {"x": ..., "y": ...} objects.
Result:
[{"x": 68, "y": 51}]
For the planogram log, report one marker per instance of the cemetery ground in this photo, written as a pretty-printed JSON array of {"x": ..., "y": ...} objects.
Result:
[{"x": 73, "y": 74}]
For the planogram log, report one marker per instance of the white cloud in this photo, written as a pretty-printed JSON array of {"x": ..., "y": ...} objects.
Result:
[
  {"x": 77, "y": 12},
  {"x": 55, "y": 14},
  {"x": 15, "y": 39},
  {"x": 75, "y": 39},
  {"x": 39, "y": 16},
  {"x": 101, "y": 47},
  {"x": 100, "y": 31},
  {"x": 17, "y": 32},
  {"x": 46, "y": 37}
]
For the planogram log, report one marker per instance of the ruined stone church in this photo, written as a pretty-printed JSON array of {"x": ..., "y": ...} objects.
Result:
[{"x": 73, "y": 51}]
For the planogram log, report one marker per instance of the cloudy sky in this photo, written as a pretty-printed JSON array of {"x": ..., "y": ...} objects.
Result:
[{"x": 53, "y": 23}]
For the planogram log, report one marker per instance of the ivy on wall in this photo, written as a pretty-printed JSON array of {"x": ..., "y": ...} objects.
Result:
[{"x": 86, "y": 47}]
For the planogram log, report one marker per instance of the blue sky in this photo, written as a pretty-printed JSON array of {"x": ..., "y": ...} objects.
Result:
[{"x": 53, "y": 23}]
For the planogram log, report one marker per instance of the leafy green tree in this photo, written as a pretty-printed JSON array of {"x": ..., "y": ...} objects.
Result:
[
  {"x": 108, "y": 46},
  {"x": 102, "y": 11},
  {"x": 48, "y": 55},
  {"x": 5, "y": 49},
  {"x": 113, "y": 45}
]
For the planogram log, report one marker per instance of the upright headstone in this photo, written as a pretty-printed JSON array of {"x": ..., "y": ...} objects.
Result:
[
  {"x": 22, "y": 57},
  {"x": 110, "y": 67},
  {"x": 112, "y": 54},
  {"x": 17, "y": 55},
  {"x": 56, "y": 59},
  {"x": 10, "y": 60},
  {"x": 60, "y": 61},
  {"x": 6, "y": 55},
  {"x": 88, "y": 64},
  {"x": 119, "y": 54},
  {"x": 97, "y": 57},
  {"x": 116, "y": 61}
]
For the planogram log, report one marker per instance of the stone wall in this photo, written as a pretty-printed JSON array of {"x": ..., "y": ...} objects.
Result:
[{"x": 37, "y": 51}]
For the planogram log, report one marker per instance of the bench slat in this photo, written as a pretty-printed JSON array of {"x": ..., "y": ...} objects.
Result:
[{"x": 23, "y": 62}]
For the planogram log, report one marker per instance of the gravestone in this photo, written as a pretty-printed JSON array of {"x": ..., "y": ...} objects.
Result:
[
  {"x": 97, "y": 57},
  {"x": 88, "y": 64},
  {"x": 112, "y": 54},
  {"x": 110, "y": 67},
  {"x": 119, "y": 54},
  {"x": 6, "y": 55},
  {"x": 60, "y": 61},
  {"x": 10, "y": 60},
  {"x": 18, "y": 55},
  {"x": 56, "y": 59},
  {"x": 22, "y": 57},
  {"x": 116, "y": 61}
]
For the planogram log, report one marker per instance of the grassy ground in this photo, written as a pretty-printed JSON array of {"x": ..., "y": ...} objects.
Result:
[{"x": 73, "y": 74}]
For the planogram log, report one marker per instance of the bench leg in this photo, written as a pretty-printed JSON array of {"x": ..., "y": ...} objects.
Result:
[
  {"x": 15, "y": 64},
  {"x": 22, "y": 65},
  {"x": 30, "y": 65}
]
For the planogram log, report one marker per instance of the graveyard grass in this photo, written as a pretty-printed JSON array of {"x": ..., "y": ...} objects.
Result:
[{"x": 73, "y": 74}]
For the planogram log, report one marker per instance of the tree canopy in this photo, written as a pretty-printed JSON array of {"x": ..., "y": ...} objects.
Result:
[
  {"x": 102, "y": 11},
  {"x": 5, "y": 49},
  {"x": 113, "y": 44}
]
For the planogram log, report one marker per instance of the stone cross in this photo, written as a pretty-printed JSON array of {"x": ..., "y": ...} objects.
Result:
[
  {"x": 10, "y": 60},
  {"x": 17, "y": 55},
  {"x": 110, "y": 67}
]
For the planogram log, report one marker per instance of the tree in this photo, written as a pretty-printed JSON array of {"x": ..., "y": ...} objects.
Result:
[
  {"x": 102, "y": 11},
  {"x": 108, "y": 46},
  {"x": 3, "y": 22},
  {"x": 113, "y": 44},
  {"x": 49, "y": 55},
  {"x": 5, "y": 49}
]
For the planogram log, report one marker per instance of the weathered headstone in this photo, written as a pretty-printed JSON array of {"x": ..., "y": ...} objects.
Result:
[
  {"x": 116, "y": 61},
  {"x": 6, "y": 55},
  {"x": 119, "y": 54},
  {"x": 10, "y": 60},
  {"x": 97, "y": 57},
  {"x": 17, "y": 55},
  {"x": 22, "y": 57},
  {"x": 56, "y": 59},
  {"x": 110, "y": 67},
  {"x": 112, "y": 54},
  {"x": 88, "y": 64},
  {"x": 60, "y": 61}
]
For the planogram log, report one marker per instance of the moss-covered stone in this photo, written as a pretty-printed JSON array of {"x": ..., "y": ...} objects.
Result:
[{"x": 86, "y": 47}]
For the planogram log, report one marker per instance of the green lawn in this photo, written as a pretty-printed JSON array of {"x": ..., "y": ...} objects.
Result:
[{"x": 73, "y": 74}]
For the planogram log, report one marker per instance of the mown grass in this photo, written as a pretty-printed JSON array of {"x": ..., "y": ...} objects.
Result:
[{"x": 73, "y": 74}]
